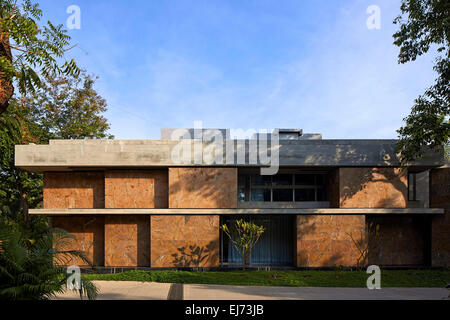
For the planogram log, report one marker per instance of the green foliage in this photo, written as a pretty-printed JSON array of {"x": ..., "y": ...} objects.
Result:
[
  {"x": 67, "y": 108},
  {"x": 33, "y": 269},
  {"x": 37, "y": 50},
  {"x": 290, "y": 278},
  {"x": 243, "y": 235},
  {"x": 64, "y": 108},
  {"x": 425, "y": 24},
  {"x": 14, "y": 181}
]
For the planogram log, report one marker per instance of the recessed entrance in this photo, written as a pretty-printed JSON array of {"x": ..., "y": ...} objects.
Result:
[{"x": 274, "y": 248}]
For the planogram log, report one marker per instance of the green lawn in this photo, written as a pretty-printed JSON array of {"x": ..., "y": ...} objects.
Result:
[{"x": 310, "y": 278}]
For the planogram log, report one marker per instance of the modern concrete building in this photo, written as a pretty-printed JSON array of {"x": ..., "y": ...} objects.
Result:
[{"x": 133, "y": 203}]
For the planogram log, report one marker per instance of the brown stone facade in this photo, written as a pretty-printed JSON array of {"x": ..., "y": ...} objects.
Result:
[
  {"x": 396, "y": 240},
  {"x": 202, "y": 188},
  {"x": 330, "y": 240},
  {"x": 81, "y": 190},
  {"x": 373, "y": 188},
  {"x": 185, "y": 241},
  {"x": 136, "y": 189},
  {"x": 194, "y": 240},
  {"x": 89, "y": 233},
  {"x": 440, "y": 230},
  {"x": 127, "y": 241}
]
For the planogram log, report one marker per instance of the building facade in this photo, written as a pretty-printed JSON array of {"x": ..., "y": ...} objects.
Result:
[{"x": 133, "y": 203}]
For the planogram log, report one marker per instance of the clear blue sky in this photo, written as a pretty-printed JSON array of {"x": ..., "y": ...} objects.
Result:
[{"x": 245, "y": 64}]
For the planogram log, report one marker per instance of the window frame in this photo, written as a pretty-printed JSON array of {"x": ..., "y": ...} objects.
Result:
[
  {"x": 412, "y": 182},
  {"x": 249, "y": 187}
]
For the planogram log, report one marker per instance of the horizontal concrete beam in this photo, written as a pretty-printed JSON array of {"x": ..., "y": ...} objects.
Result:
[
  {"x": 72, "y": 154},
  {"x": 296, "y": 211}
]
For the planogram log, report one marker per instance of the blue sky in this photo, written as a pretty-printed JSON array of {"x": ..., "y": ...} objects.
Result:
[{"x": 245, "y": 64}]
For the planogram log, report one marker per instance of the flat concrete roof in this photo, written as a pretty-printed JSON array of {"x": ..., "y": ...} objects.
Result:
[
  {"x": 295, "y": 211},
  {"x": 60, "y": 155}
]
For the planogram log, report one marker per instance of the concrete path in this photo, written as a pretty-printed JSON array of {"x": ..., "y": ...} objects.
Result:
[
  {"x": 213, "y": 292},
  {"x": 131, "y": 290},
  {"x": 125, "y": 290}
]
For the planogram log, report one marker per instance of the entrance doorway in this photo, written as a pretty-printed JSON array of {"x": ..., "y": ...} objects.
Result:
[{"x": 274, "y": 248}]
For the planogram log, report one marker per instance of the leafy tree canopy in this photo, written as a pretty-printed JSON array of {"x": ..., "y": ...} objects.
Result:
[
  {"x": 425, "y": 25},
  {"x": 62, "y": 108},
  {"x": 29, "y": 51},
  {"x": 67, "y": 108}
]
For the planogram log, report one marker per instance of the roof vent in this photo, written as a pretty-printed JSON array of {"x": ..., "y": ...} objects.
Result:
[{"x": 290, "y": 134}]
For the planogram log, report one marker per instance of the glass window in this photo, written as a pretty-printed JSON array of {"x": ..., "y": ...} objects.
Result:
[
  {"x": 241, "y": 180},
  {"x": 260, "y": 195},
  {"x": 305, "y": 195},
  {"x": 282, "y": 187},
  {"x": 321, "y": 195},
  {"x": 320, "y": 179},
  {"x": 260, "y": 180},
  {"x": 282, "y": 194},
  {"x": 282, "y": 180},
  {"x": 411, "y": 186},
  {"x": 305, "y": 179},
  {"x": 241, "y": 194}
]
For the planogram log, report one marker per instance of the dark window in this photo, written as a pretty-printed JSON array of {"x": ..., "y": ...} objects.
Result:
[
  {"x": 241, "y": 180},
  {"x": 275, "y": 247},
  {"x": 282, "y": 194},
  {"x": 305, "y": 195},
  {"x": 305, "y": 179},
  {"x": 282, "y": 180},
  {"x": 282, "y": 187},
  {"x": 260, "y": 180},
  {"x": 321, "y": 196},
  {"x": 241, "y": 194},
  {"x": 260, "y": 195},
  {"x": 412, "y": 187}
]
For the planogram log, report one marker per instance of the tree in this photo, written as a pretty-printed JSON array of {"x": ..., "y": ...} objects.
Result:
[
  {"x": 36, "y": 270},
  {"x": 244, "y": 236},
  {"x": 425, "y": 24},
  {"x": 64, "y": 108},
  {"x": 28, "y": 51},
  {"x": 19, "y": 189},
  {"x": 68, "y": 108}
]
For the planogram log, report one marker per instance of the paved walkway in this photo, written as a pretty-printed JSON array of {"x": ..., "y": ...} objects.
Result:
[
  {"x": 125, "y": 290},
  {"x": 130, "y": 290}
]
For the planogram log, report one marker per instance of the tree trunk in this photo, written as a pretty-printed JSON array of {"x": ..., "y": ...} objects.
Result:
[{"x": 6, "y": 86}]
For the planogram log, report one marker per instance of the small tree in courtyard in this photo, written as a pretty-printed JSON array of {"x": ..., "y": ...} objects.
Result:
[{"x": 243, "y": 235}]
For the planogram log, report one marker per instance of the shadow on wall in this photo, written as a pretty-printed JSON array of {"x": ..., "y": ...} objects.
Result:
[
  {"x": 348, "y": 155},
  {"x": 194, "y": 256},
  {"x": 203, "y": 188},
  {"x": 315, "y": 246},
  {"x": 398, "y": 240},
  {"x": 388, "y": 187},
  {"x": 89, "y": 233},
  {"x": 330, "y": 240}
]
